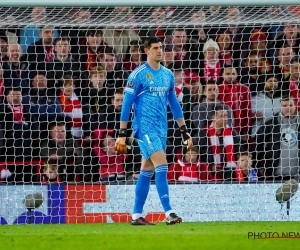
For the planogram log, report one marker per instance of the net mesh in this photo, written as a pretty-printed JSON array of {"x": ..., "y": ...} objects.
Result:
[{"x": 63, "y": 72}]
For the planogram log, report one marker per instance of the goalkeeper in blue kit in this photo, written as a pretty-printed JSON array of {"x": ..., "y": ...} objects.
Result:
[{"x": 150, "y": 89}]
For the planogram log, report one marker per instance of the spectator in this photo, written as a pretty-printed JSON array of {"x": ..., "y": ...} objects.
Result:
[
  {"x": 265, "y": 105},
  {"x": 192, "y": 82},
  {"x": 210, "y": 68},
  {"x": 3, "y": 47},
  {"x": 50, "y": 173},
  {"x": 134, "y": 57},
  {"x": 119, "y": 38},
  {"x": 290, "y": 37},
  {"x": 258, "y": 44},
  {"x": 189, "y": 168},
  {"x": 179, "y": 40},
  {"x": 62, "y": 63},
  {"x": 91, "y": 50},
  {"x": 74, "y": 109},
  {"x": 183, "y": 93},
  {"x": 31, "y": 33},
  {"x": 201, "y": 112},
  {"x": 1, "y": 83},
  {"x": 251, "y": 76},
  {"x": 293, "y": 83},
  {"x": 169, "y": 56},
  {"x": 63, "y": 149},
  {"x": 278, "y": 145},
  {"x": 116, "y": 75},
  {"x": 20, "y": 127},
  {"x": 112, "y": 166},
  {"x": 4, "y": 173},
  {"x": 77, "y": 34},
  {"x": 16, "y": 70},
  {"x": 41, "y": 51},
  {"x": 244, "y": 170},
  {"x": 110, "y": 116},
  {"x": 158, "y": 16},
  {"x": 96, "y": 94},
  {"x": 219, "y": 145},
  {"x": 283, "y": 69},
  {"x": 225, "y": 43},
  {"x": 237, "y": 96},
  {"x": 44, "y": 105}
]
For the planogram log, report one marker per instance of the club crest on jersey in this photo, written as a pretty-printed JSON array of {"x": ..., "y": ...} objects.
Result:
[
  {"x": 130, "y": 84},
  {"x": 149, "y": 76}
]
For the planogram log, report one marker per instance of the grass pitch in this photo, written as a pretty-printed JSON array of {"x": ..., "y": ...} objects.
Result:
[{"x": 210, "y": 236}]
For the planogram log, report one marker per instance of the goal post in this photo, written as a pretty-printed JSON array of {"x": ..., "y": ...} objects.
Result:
[{"x": 63, "y": 70}]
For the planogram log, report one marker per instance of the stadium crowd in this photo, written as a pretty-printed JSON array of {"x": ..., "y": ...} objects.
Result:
[{"x": 61, "y": 92}]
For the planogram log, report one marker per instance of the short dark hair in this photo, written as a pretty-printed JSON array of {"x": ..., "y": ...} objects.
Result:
[
  {"x": 210, "y": 82},
  {"x": 217, "y": 107},
  {"x": 108, "y": 50},
  {"x": 148, "y": 42},
  {"x": 61, "y": 39},
  {"x": 296, "y": 59},
  {"x": 8, "y": 90},
  {"x": 119, "y": 91},
  {"x": 286, "y": 97},
  {"x": 94, "y": 32},
  {"x": 56, "y": 123}
]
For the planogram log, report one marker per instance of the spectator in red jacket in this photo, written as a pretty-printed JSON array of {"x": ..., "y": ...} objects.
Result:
[
  {"x": 111, "y": 165},
  {"x": 237, "y": 96},
  {"x": 294, "y": 81},
  {"x": 189, "y": 168}
]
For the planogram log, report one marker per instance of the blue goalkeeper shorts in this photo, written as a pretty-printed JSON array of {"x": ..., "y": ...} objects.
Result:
[{"x": 150, "y": 144}]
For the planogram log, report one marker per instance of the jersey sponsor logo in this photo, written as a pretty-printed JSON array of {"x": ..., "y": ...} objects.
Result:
[
  {"x": 130, "y": 84},
  {"x": 149, "y": 76},
  {"x": 158, "y": 91}
]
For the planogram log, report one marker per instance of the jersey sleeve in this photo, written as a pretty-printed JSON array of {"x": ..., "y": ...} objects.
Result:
[
  {"x": 133, "y": 85},
  {"x": 173, "y": 102}
]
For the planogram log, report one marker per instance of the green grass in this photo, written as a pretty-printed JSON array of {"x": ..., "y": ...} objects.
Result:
[{"x": 211, "y": 236}]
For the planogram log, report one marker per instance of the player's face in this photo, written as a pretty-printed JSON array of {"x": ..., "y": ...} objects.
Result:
[
  {"x": 288, "y": 108},
  {"x": 230, "y": 75},
  {"x": 118, "y": 101},
  {"x": 155, "y": 53}
]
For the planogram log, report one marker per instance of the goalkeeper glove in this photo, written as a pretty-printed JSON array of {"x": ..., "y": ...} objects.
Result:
[
  {"x": 187, "y": 139},
  {"x": 120, "y": 145}
]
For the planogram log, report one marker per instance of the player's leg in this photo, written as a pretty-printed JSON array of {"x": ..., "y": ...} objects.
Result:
[
  {"x": 142, "y": 188},
  {"x": 160, "y": 163}
]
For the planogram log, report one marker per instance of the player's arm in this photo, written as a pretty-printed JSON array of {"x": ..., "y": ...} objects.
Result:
[
  {"x": 130, "y": 95},
  {"x": 178, "y": 116}
]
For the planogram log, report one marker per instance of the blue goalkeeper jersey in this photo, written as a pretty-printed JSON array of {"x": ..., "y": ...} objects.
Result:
[{"x": 151, "y": 89}]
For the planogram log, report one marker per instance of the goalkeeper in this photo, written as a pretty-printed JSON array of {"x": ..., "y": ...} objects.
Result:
[{"x": 150, "y": 87}]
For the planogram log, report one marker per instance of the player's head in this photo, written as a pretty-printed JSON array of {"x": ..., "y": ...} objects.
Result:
[
  {"x": 153, "y": 49},
  {"x": 288, "y": 107},
  {"x": 219, "y": 116}
]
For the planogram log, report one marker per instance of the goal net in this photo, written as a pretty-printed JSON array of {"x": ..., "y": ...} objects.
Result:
[{"x": 63, "y": 77}]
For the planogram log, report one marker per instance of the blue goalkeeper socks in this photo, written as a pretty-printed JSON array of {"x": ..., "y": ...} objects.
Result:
[
  {"x": 141, "y": 192},
  {"x": 162, "y": 186}
]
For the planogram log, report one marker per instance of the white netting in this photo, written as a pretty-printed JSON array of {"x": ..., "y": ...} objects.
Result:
[{"x": 63, "y": 72}]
